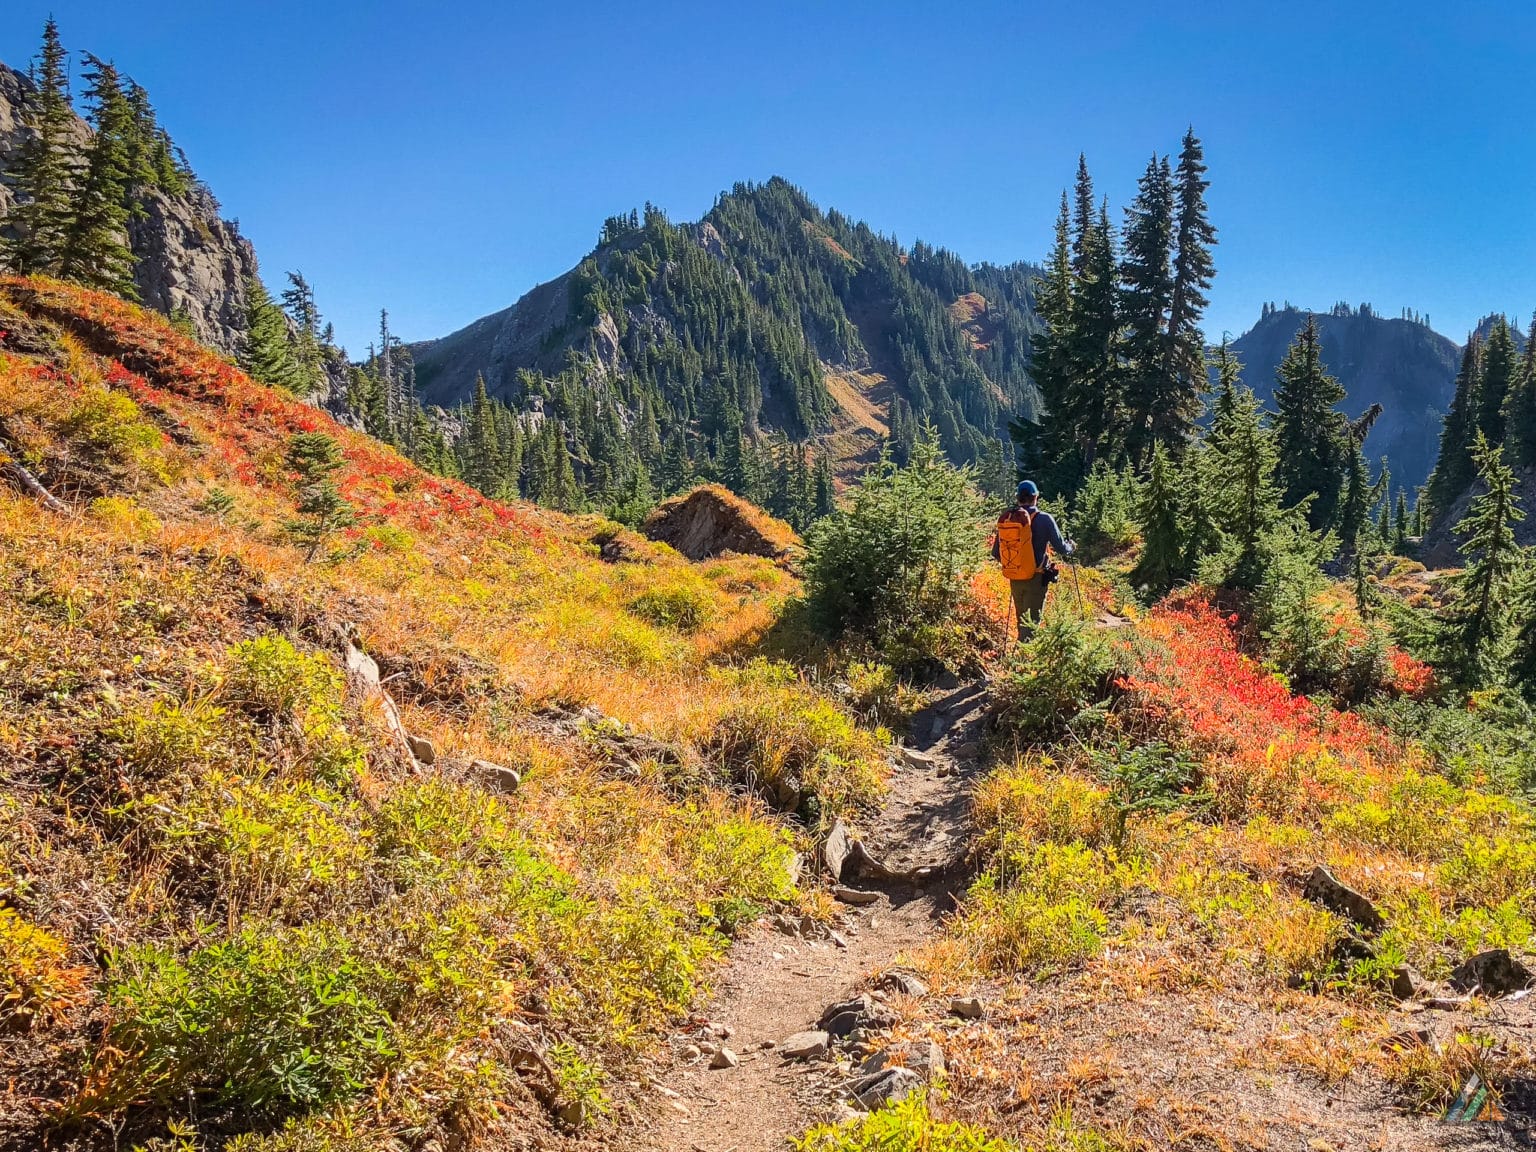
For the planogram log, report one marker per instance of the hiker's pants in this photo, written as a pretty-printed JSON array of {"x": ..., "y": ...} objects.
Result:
[{"x": 1028, "y": 602}]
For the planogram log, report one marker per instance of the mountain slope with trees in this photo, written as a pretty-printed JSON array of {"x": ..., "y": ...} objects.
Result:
[
  {"x": 1400, "y": 363},
  {"x": 710, "y": 340}
]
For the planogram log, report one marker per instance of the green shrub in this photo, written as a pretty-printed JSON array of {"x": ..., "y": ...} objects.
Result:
[
  {"x": 1065, "y": 669},
  {"x": 906, "y": 1126},
  {"x": 894, "y": 566},
  {"x": 269, "y": 1018},
  {"x": 685, "y": 607},
  {"x": 1038, "y": 910},
  {"x": 270, "y": 678}
]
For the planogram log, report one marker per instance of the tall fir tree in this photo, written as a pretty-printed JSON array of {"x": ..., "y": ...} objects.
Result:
[
  {"x": 1500, "y": 377},
  {"x": 266, "y": 353},
  {"x": 1163, "y": 538},
  {"x": 96, "y": 251},
  {"x": 1243, "y": 470},
  {"x": 1476, "y": 624},
  {"x": 1146, "y": 276},
  {"x": 1311, "y": 436},
  {"x": 1520, "y": 408},
  {"x": 46, "y": 170},
  {"x": 1455, "y": 468},
  {"x": 1194, "y": 268}
]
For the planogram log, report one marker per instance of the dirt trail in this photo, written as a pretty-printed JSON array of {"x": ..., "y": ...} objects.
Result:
[{"x": 776, "y": 984}]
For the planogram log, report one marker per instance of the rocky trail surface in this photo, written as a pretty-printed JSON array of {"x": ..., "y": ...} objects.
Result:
[{"x": 750, "y": 1070}]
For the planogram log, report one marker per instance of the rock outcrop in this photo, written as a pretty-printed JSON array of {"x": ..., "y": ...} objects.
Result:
[
  {"x": 711, "y": 520},
  {"x": 188, "y": 259}
]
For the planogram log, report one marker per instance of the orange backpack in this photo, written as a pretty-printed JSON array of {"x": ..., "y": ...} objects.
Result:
[{"x": 1016, "y": 543}]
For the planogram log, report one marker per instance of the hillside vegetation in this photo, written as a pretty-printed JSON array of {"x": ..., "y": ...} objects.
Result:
[{"x": 237, "y": 907}]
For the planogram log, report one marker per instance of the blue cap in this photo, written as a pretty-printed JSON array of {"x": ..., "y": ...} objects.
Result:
[{"x": 1027, "y": 488}]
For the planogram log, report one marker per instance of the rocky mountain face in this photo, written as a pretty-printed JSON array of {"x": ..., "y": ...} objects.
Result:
[
  {"x": 772, "y": 315},
  {"x": 189, "y": 260},
  {"x": 1403, "y": 365}
]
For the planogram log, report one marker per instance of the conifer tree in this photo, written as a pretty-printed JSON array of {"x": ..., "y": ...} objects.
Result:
[
  {"x": 1520, "y": 408},
  {"x": 1400, "y": 521},
  {"x": 315, "y": 457},
  {"x": 1310, "y": 434},
  {"x": 1162, "y": 555},
  {"x": 1501, "y": 368},
  {"x": 1455, "y": 469},
  {"x": 267, "y": 355},
  {"x": 1229, "y": 372},
  {"x": 1047, "y": 446},
  {"x": 1243, "y": 468},
  {"x": 299, "y": 305},
  {"x": 1475, "y": 627},
  {"x": 45, "y": 172},
  {"x": 1156, "y": 409},
  {"x": 1522, "y": 672},
  {"x": 96, "y": 251},
  {"x": 1201, "y": 509},
  {"x": 1193, "y": 270}
]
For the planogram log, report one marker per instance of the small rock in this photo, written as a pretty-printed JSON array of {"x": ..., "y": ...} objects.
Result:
[
  {"x": 1324, "y": 888},
  {"x": 692, "y": 1052},
  {"x": 856, "y": 1017},
  {"x": 724, "y": 1058},
  {"x": 1493, "y": 973},
  {"x": 574, "y": 1113},
  {"x": 924, "y": 1057},
  {"x": 884, "y": 1087},
  {"x": 844, "y": 1113},
  {"x": 422, "y": 749},
  {"x": 1408, "y": 1038},
  {"x": 854, "y": 895},
  {"x": 838, "y": 938},
  {"x": 1406, "y": 982},
  {"x": 496, "y": 777},
  {"x": 723, "y": 1031},
  {"x": 804, "y": 1045},
  {"x": 966, "y": 1007},
  {"x": 895, "y": 980},
  {"x": 787, "y": 925},
  {"x": 922, "y": 761},
  {"x": 835, "y": 851},
  {"x": 708, "y": 1048}
]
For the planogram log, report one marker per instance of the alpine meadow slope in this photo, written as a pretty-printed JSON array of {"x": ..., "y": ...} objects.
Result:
[{"x": 430, "y": 834}]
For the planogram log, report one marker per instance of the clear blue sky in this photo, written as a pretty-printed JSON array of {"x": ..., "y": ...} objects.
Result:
[{"x": 440, "y": 159}]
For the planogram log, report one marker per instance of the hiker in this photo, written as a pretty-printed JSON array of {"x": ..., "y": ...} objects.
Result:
[{"x": 1023, "y": 535}]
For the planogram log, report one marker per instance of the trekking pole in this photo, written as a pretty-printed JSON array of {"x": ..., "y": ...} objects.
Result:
[{"x": 1081, "y": 610}]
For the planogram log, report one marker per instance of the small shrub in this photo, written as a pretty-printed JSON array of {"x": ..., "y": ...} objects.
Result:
[
  {"x": 168, "y": 739},
  {"x": 1064, "y": 669},
  {"x": 37, "y": 981},
  {"x": 685, "y": 607},
  {"x": 272, "y": 679},
  {"x": 905, "y": 1126},
  {"x": 1038, "y": 912},
  {"x": 122, "y": 515},
  {"x": 1025, "y": 804},
  {"x": 894, "y": 565},
  {"x": 792, "y": 746},
  {"x": 581, "y": 1082},
  {"x": 264, "y": 1019},
  {"x": 1428, "y": 1079}
]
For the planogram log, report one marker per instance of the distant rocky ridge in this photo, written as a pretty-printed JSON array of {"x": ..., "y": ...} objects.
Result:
[
  {"x": 188, "y": 259},
  {"x": 1401, "y": 364}
]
